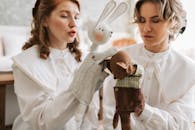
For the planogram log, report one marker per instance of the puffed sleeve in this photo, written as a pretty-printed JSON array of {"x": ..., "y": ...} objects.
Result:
[{"x": 42, "y": 109}]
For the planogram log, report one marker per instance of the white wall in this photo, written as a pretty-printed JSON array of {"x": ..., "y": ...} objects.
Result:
[{"x": 16, "y": 12}]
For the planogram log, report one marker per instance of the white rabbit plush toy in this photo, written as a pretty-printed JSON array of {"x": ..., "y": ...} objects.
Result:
[
  {"x": 99, "y": 33},
  {"x": 92, "y": 68}
]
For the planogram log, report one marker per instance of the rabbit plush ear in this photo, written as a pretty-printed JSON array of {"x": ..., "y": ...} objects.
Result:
[
  {"x": 107, "y": 10},
  {"x": 121, "y": 9},
  {"x": 122, "y": 65}
]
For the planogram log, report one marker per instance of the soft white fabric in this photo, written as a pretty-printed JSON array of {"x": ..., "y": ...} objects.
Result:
[
  {"x": 41, "y": 88},
  {"x": 5, "y": 64},
  {"x": 1, "y": 47},
  {"x": 46, "y": 90},
  {"x": 13, "y": 43},
  {"x": 11, "y": 40},
  {"x": 168, "y": 87}
]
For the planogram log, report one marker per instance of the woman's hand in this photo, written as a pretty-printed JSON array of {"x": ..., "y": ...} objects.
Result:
[{"x": 140, "y": 103}]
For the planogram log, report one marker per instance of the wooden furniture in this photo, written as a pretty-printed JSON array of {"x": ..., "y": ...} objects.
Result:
[{"x": 6, "y": 78}]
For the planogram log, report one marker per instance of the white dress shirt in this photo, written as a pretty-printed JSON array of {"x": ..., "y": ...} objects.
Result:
[
  {"x": 168, "y": 87},
  {"x": 42, "y": 91}
]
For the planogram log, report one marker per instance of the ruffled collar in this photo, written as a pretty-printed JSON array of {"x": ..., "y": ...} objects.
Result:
[
  {"x": 56, "y": 53},
  {"x": 149, "y": 56}
]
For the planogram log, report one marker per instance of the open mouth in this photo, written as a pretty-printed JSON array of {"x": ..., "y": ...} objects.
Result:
[{"x": 72, "y": 33}]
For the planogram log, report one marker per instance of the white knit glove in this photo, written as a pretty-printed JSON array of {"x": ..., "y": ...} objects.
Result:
[{"x": 90, "y": 76}]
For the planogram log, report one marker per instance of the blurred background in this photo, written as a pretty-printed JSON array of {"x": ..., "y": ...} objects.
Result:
[{"x": 15, "y": 24}]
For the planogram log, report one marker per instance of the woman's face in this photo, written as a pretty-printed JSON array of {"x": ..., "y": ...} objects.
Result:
[
  {"x": 62, "y": 24},
  {"x": 154, "y": 30}
]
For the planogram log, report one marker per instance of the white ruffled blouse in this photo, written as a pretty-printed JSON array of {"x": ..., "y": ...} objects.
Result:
[{"x": 42, "y": 91}]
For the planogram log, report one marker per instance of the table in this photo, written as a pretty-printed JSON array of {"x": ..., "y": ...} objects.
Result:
[{"x": 6, "y": 78}]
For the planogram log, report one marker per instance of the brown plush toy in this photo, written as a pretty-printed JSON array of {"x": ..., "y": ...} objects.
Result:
[{"x": 128, "y": 95}]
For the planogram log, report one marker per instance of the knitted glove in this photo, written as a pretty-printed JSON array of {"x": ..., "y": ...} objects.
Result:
[{"x": 90, "y": 76}]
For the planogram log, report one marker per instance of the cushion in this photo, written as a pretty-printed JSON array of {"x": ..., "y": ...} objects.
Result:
[
  {"x": 1, "y": 47},
  {"x": 12, "y": 39},
  {"x": 5, "y": 64},
  {"x": 13, "y": 43}
]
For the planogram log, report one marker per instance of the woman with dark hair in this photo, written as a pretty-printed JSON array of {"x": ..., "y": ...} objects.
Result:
[
  {"x": 52, "y": 86},
  {"x": 169, "y": 78}
]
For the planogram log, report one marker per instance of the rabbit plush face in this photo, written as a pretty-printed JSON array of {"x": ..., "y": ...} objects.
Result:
[
  {"x": 121, "y": 65},
  {"x": 100, "y": 32}
]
